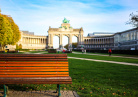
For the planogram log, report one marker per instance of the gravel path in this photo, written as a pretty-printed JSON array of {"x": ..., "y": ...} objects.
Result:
[{"x": 39, "y": 94}]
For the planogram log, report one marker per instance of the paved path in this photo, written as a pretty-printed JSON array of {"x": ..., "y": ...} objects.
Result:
[
  {"x": 39, "y": 94},
  {"x": 106, "y": 55},
  {"x": 124, "y": 63}
]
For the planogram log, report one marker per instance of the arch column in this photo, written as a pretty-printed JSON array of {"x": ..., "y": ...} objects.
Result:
[
  {"x": 50, "y": 40},
  {"x": 70, "y": 39},
  {"x": 60, "y": 39}
]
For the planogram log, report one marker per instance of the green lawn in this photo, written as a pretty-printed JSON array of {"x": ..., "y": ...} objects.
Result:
[
  {"x": 125, "y": 55},
  {"x": 118, "y": 59},
  {"x": 97, "y": 79}
]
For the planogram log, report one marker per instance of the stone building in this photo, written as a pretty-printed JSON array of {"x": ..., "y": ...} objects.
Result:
[
  {"x": 30, "y": 41},
  {"x": 99, "y": 42},
  {"x": 126, "y": 40},
  {"x": 65, "y": 30}
]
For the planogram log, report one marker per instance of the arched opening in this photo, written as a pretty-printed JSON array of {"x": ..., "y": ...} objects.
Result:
[
  {"x": 55, "y": 42},
  {"x": 65, "y": 40},
  {"x": 74, "y": 42}
]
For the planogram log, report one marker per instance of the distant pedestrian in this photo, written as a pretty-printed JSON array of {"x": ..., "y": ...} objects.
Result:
[{"x": 109, "y": 51}]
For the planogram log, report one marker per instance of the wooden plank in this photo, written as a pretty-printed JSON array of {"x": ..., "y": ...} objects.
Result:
[
  {"x": 40, "y": 65},
  {"x": 33, "y": 54},
  {"x": 33, "y": 73},
  {"x": 35, "y": 80},
  {"x": 34, "y": 70},
  {"x": 32, "y": 59},
  {"x": 30, "y": 68},
  {"x": 39, "y": 82},
  {"x": 33, "y": 76},
  {"x": 20, "y": 57},
  {"x": 34, "y": 62}
]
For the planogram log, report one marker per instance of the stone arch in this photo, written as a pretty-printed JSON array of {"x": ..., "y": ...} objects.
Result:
[{"x": 66, "y": 30}]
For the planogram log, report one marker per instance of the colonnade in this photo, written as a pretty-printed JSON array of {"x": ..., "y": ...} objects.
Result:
[
  {"x": 99, "y": 43},
  {"x": 99, "y": 40},
  {"x": 31, "y": 40}
]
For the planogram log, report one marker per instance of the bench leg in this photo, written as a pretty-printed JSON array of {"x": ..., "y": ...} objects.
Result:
[
  {"x": 5, "y": 91},
  {"x": 58, "y": 88}
]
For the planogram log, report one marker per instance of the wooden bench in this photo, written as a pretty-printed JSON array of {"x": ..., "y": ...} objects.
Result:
[{"x": 34, "y": 69}]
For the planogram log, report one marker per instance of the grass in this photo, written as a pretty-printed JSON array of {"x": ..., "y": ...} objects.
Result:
[
  {"x": 113, "y": 54},
  {"x": 97, "y": 79},
  {"x": 118, "y": 59}
]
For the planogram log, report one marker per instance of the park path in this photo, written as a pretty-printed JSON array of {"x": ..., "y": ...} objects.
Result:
[
  {"x": 39, "y": 94},
  {"x": 106, "y": 55},
  {"x": 124, "y": 63}
]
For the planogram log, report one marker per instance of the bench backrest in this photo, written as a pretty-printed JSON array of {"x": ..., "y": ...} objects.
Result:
[
  {"x": 33, "y": 57},
  {"x": 33, "y": 65}
]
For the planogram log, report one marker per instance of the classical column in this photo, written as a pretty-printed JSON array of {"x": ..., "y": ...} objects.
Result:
[
  {"x": 51, "y": 40},
  {"x": 60, "y": 39},
  {"x": 78, "y": 39},
  {"x": 70, "y": 39},
  {"x": 81, "y": 38},
  {"x": 42, "y": 40}
]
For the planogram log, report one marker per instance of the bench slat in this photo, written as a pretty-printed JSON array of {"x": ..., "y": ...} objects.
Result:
[
  {"x": 31, "y": 68},
  {"x": 34, "y": 70},
  {"x": 50, "y": 65},
  {"x": 48, "y": 80},
  {"x": 34, "y": 55},
  {"x": 25, "y": 59},
  {"x": 33, "y": 75}
]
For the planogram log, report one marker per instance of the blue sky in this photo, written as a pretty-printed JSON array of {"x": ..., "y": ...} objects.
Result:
[{"x": 93, "y": 15}]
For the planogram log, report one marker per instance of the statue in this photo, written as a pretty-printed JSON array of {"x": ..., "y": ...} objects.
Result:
[{"x": 65, "y": 20}]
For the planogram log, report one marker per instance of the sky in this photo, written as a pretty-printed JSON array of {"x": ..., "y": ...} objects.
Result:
[{"x": 92, "y": 15}]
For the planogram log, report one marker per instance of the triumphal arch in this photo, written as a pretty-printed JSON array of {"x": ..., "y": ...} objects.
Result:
[{"x": 65, "y": 30}]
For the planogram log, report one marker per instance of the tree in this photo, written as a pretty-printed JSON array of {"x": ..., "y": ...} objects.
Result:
[
  {"x": 9, "y": 31},
  {"x": 16, "y": 33},
  {"x": 133, "y": 19},
  {"x": 74, "y": 45},
  {"x": 6, "y": 31},
  {"x": 66, "y": 46}
]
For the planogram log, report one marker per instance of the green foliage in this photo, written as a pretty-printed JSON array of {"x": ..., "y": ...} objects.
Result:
[
  {"x": 66, "y": 46},
  {"x": 74, "y": 45},
  {"x": 20, "y": 46},
  {"x": 16, "y": 33},
  {"x": 6, "y": 31},
  {"x": 51, "y": 49},
  {"x": 17, "y": 47},
  {"x": 9, "y": 31}
]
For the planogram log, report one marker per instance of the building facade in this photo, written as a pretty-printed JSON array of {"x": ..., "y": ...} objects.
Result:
[
  {"x": 126, "y": 40},
  {"x": 99, "y": 42},
  {"x": 65, "y": 30},
  {"x": 30, "y": 41}
]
